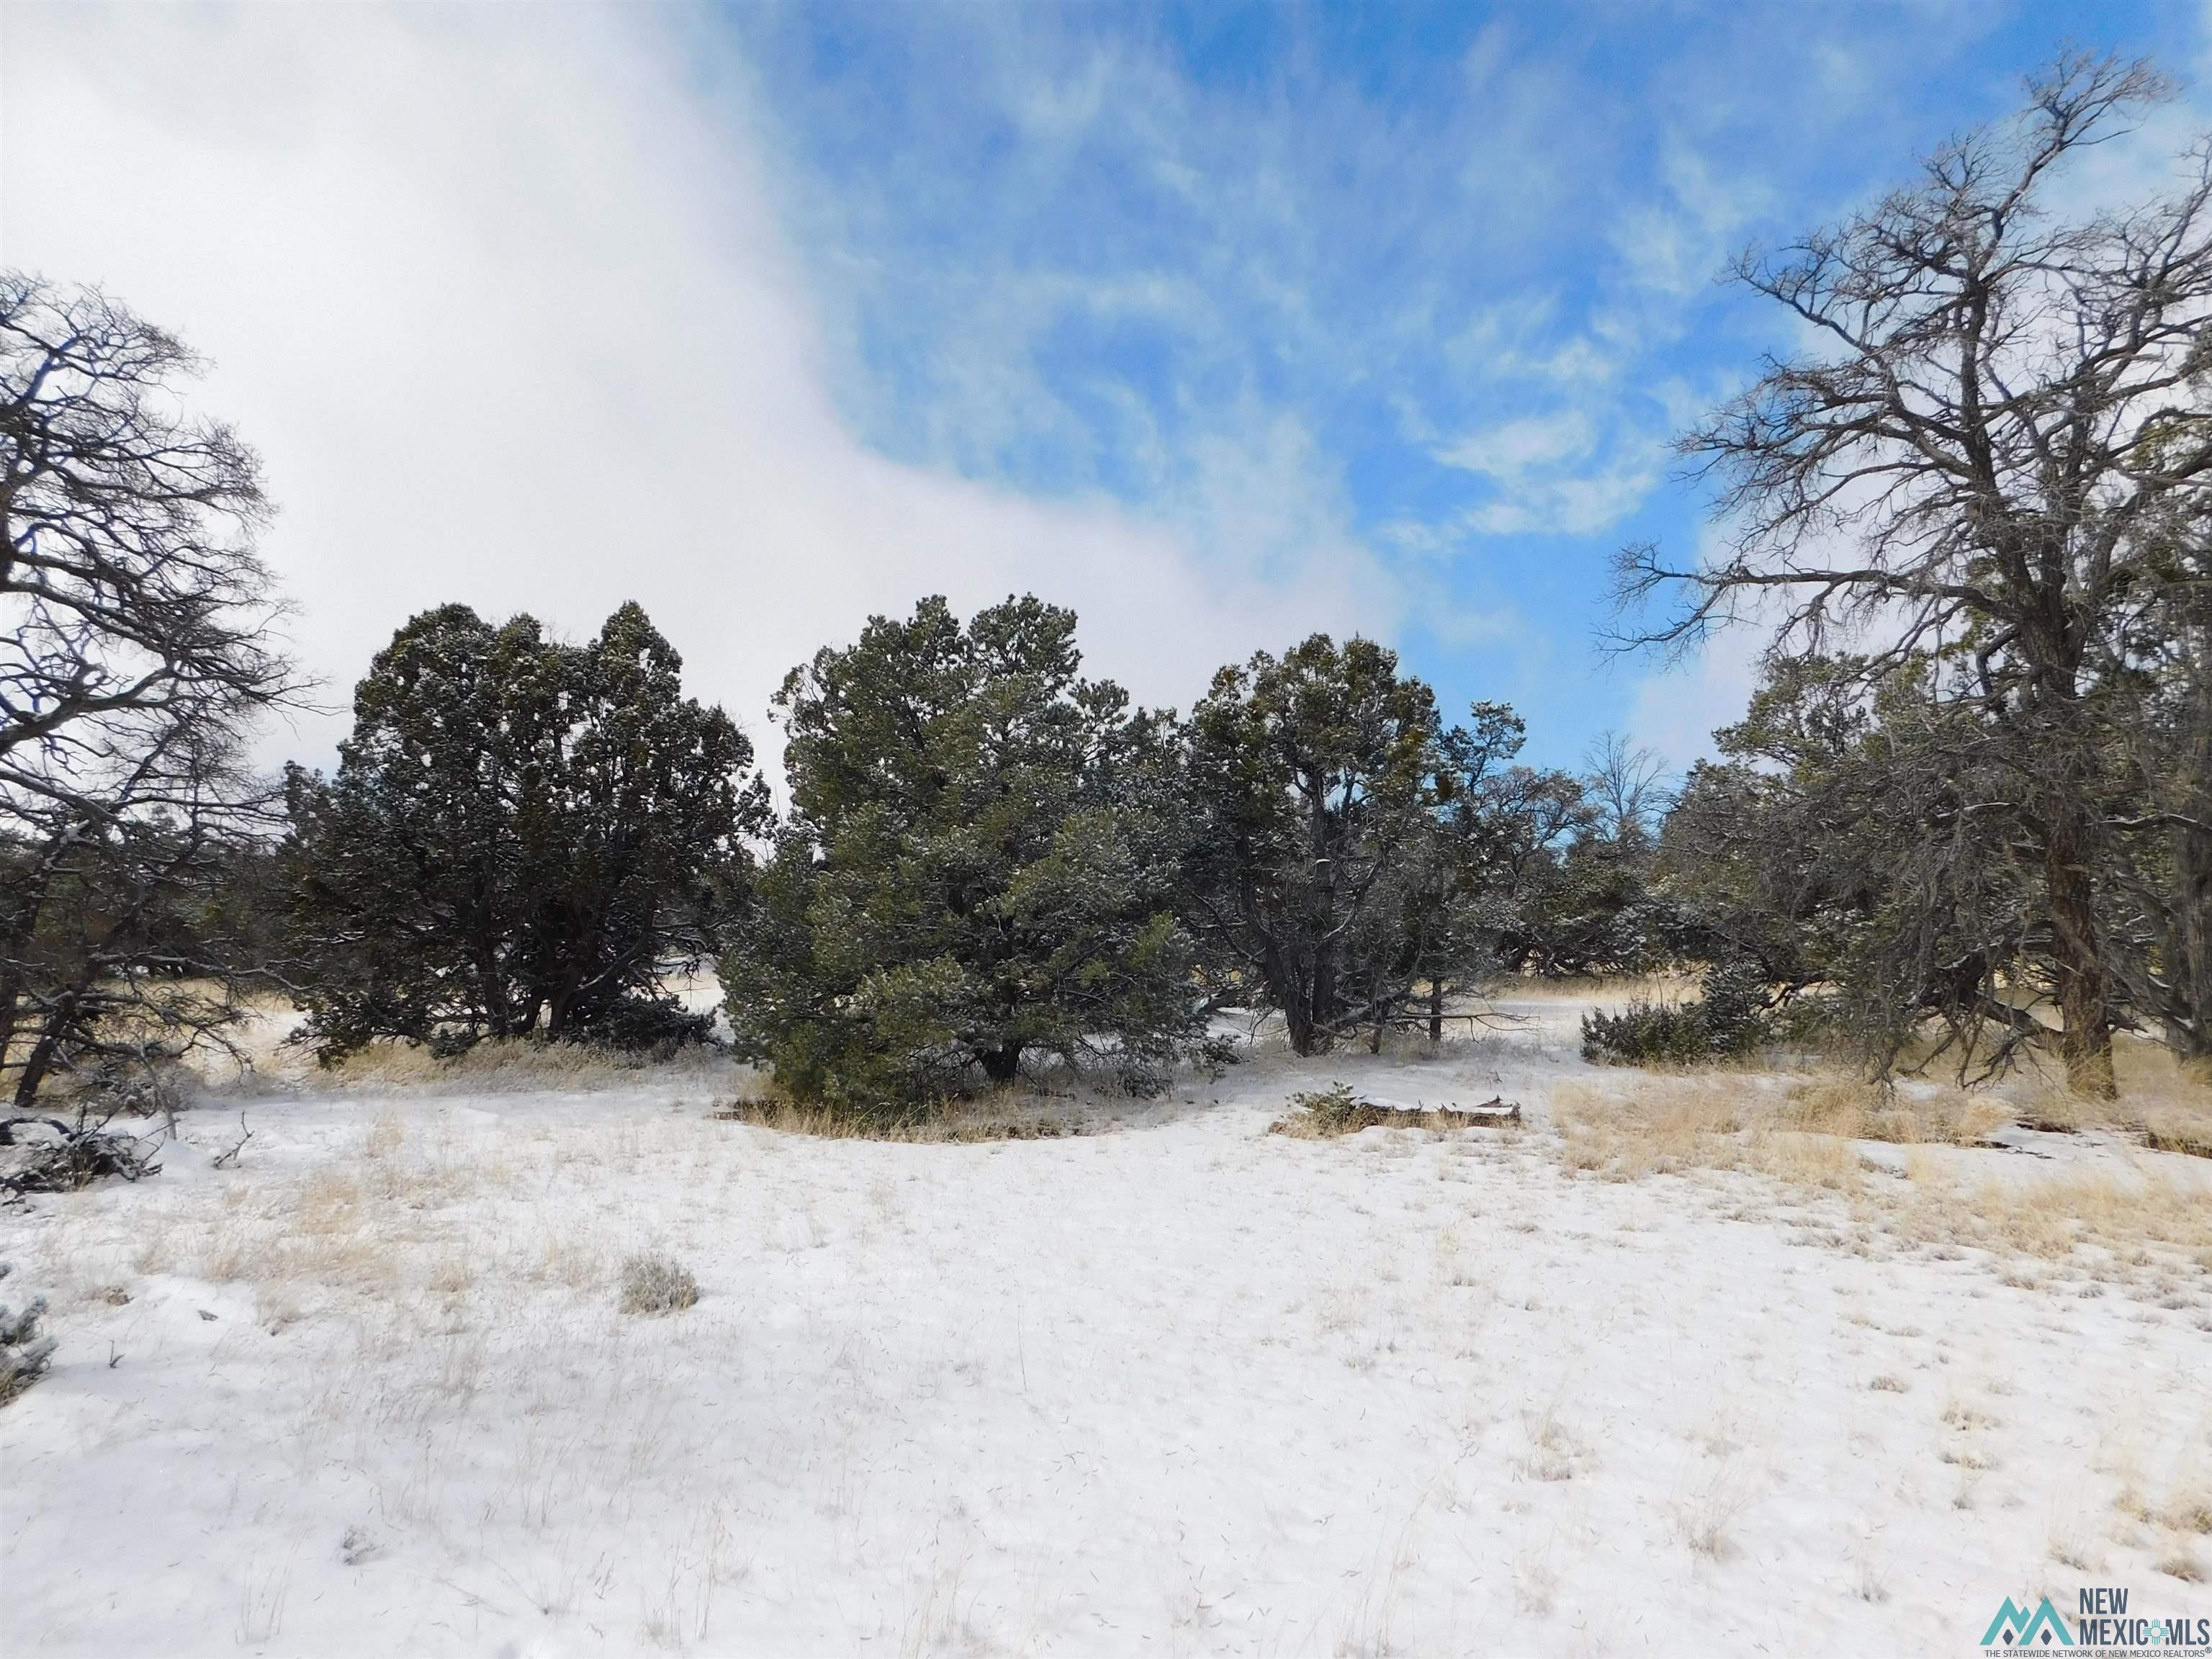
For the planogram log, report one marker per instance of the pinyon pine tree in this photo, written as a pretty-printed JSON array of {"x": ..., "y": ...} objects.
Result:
[{"x": 977, "y": 870}]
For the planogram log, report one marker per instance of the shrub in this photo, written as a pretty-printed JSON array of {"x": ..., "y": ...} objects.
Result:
[
  {"x": 1734, "y": 1008},
  {"x": 1646, "y": 1033},
  {"x": 656, "y": 1284},
  {"x": 1729, "y": 1018},
  {"x": 24, "y": 1354},
  {"x": 1334, "y": 1111}
]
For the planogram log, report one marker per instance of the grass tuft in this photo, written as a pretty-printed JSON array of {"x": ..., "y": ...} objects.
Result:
[
  {"x": 1001, "y": 1114},
  {"x": 656, "y": 1284}
]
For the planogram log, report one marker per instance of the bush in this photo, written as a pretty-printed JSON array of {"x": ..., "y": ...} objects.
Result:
[
  {"x": 637, "y": 1024},
  {"x": 1730, "y": 1019},
  {"x": 24, "y": 1354},
  {"x": 655, "y": 1283},
  {"x": 1646, "y": 1033},
  {"x": 1734, "y": 1008}
]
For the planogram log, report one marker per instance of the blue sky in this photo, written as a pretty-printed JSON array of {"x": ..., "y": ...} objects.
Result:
[
  {"x": 1442, "y": 273},
  {"x": 1218, "y": 324}
]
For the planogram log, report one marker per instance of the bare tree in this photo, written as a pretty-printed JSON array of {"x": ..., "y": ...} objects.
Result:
[
  {"x": 1624, "y": 783},
  {"x": 1999, "y": 406},
  {"x": 134, "y": 655}
]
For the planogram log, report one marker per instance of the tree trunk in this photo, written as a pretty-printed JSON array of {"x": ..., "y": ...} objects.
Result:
[
  {"x": 11, "y": 992},
  {"x": 2188, "y": 946},
  {"x": 41, "y": 1057},
  {"x": 1436, "y": 1011},
  {"x": 2085, "y": 1037},
  {"x": 1320, "y": 1005}
]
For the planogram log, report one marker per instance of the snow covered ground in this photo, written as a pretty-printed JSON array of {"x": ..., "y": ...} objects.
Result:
[{"x": 1174, "y": 1386}]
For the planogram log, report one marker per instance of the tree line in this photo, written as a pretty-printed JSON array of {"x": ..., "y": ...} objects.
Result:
[
  {"x": 987, "y": 861},
  {"x": 1970, "y": 800}
]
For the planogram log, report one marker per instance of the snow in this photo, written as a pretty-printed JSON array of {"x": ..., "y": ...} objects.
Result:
[{"x": 1176, "y": 1386}]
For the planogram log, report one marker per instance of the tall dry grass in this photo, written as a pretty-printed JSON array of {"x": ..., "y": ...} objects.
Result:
[
  {"x": 1004, "y": 1113},
  {"x": 2165, "y": 1101},
  {"x": 1669, "y": 1122},
  {"x": 2140, "y": 1216},
  {"x": 513, "y": 1065}
]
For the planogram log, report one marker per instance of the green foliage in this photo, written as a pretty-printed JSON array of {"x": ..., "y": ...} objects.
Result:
[
  {"x": 518, "y": 829},
  {"x": 1645, "y": 1033},
  {"x": 978, "y": 867},
  {"x": 1354, "y": 863},
  {"x": 1730, "y": 1019},
  {"x": 1312, "y": 781},
  {"x": 1733, "y": 1009},
  {"x": 641, "y": 1025}
]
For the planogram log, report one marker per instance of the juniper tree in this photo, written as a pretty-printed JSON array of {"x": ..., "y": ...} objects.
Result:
[
  {"x": 977, "y": 868},
  {"x": 519, "y": 831},
  {"x": 1477, "y": 899},
  {"x": 1312, "y": 782}
]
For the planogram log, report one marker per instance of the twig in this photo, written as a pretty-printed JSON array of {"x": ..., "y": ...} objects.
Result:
[{"x": 230, "y": 1158}]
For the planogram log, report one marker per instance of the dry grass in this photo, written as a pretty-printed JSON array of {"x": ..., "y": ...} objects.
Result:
[
  {"x": 2184, "y": 1565},
  {"x": 1704, "y": 1516},
  {"x": 2165, "y": 1102},
  {"x": 1650, "y": 986},
  {"x": 1856, "y": 1111},
  {"x": 657, "y": 1284},
  {"x": 1674, "y": 1123},
  {"x": 503, "y": 1064},
  {"x": 2141, "y": 1219},
  {"x": 2130, "y": 1218},
  {"x": 1001, "y": 1114}
]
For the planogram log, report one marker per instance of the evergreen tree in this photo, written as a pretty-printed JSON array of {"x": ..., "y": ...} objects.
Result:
[
  {"x": 518, "y": 829},
  {"x": 978, "y": 868},
  {"x": 1846, "y": 846},
  {"x": 1312, "y": 783}
]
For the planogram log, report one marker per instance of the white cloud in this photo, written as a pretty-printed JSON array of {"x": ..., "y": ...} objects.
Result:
[
  {"x": 1677, "y": 245},
  {"x": 498, "y": 294},
  {"x": 1511, "y": 449},
  {"x": 1674, "y": 713},
  {"x": 1552, "y": 474}
]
